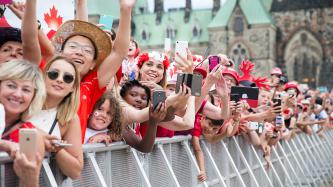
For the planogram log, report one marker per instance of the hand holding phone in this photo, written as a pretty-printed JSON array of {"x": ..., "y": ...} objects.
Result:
[
  {"x": 181, "y": 50},
  {"x": 158, "y": 97},
  {"x": 106, "y": 21},
  {"x": 193, "y": 81}
]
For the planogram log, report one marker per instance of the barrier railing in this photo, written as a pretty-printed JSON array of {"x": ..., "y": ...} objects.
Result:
[{"x": 302, "y": 161}]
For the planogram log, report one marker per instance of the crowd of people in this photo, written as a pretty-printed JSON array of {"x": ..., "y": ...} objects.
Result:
[{"x": 89, "y": 85}]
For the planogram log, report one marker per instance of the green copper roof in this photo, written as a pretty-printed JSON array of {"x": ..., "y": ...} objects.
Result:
[
  {"x": 175, "y": 19},
  {"x": 254, "y": 11},
  {"x": 104, "y": 7}
]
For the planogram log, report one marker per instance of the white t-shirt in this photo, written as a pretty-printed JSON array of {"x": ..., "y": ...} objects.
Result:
[
  {"x": 91, "y": 132},
  {"x": 44, "y": 120},
  {"x": 2, "y": 120}
]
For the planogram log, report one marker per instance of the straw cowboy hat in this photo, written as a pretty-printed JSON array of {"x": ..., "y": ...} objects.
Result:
[{"x": 97, "y": 36}]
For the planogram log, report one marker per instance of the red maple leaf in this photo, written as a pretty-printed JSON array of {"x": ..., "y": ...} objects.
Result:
[{"x": 53, "y": 20}]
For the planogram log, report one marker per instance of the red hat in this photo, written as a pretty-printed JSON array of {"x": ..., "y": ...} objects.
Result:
[
  {"x": 292, "y": 85},
  {"x": 276, "y": 71},
  {"x": 202, "y": 71},
  {"x": 144, "y": 57},
  {"x": 232, "y": 72}
]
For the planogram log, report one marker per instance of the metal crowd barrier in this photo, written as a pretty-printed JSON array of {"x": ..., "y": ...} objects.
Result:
[{"x": 302, "y": 161}]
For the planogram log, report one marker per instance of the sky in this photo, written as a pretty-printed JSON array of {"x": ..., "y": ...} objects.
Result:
[{"x": 196, "y": 4}]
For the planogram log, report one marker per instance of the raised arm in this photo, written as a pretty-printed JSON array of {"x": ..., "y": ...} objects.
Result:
[
  {"x": 31, "y": 48},
  {"x": 146, "y": 144},
  {"x": 81, "y": 10},
  {"x": 112, "y": 63}
]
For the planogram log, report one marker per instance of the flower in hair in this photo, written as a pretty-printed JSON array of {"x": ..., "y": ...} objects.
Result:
[{"x": 144, "y": 57}]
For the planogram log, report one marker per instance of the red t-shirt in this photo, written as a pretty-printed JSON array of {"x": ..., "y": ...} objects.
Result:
[
  {"x": 197, "y": 131},
  {"x": 14, "y": 136},
  {"x": 160, "y": 132},
  {"x": 89, "y": 94}
]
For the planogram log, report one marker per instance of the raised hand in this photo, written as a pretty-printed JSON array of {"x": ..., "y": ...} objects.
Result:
[
  {"x": 158, "y": 114},
  {"x": 17, "y": 8},
  {"x": 185, "y": 65},
  {"x": 127, "y": 3}
]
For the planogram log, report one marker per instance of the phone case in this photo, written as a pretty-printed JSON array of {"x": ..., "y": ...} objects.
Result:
[
  {"x": 181, "y": 47},
  {"x": 253, "y": 125},
  {"x": 235, "y": 97},
  {"x": 213, "y": 62},
  {"x": 158, "y": 97},
  {"x": 107, "y": 21},
  {"x": 28, "y": 142},
  {"x": 180, "y": 80},
  {"x": 249, "y": 94},
  {"x": 196, "y": 85}
]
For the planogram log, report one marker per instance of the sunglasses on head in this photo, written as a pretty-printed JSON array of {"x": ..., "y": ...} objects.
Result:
[{"x": 53, "y": 75}]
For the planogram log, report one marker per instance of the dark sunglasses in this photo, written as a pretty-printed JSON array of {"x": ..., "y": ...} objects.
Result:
[{"x": 53, "y": 75}]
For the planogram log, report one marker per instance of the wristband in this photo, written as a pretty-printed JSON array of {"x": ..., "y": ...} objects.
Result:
[{"x": 39, "y": 25}]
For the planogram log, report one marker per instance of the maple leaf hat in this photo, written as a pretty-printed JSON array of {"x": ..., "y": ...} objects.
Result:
[
  {"x": 9, "y": 34},
  {"x": 97, "y": 36}
]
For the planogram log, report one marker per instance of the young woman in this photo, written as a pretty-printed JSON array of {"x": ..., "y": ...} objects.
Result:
[
  {"x": 22, "y": 93},
  {"x": 59, "y": 114}
]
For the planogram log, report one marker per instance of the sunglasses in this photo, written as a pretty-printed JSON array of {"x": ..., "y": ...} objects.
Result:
[{"x": 53, "y": 75}]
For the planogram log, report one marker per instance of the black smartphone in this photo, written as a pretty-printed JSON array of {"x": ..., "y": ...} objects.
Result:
[
  {"x": 277, "y": 101},
  {"x": 180, "y": 80},
  {"x": 235, "y": 97},
  {"x": 193, "y": 81},
  {"x": 158, "y": 97},
  {"x": 213, "y": 62}
]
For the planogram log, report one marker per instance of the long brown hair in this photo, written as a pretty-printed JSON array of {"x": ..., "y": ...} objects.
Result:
[{"x": 68, "y": 107}]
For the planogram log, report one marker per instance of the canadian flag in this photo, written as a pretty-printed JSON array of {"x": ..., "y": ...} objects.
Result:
[{"x": 51, "y": 14}]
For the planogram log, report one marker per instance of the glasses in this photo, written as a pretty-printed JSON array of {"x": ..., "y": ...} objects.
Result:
[
  {"x": 53, "y": 75},
  {"x": 74, "y": 46}
]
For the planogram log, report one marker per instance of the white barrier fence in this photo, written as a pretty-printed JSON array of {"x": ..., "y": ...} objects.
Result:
[{"x": 302, "y": 161}]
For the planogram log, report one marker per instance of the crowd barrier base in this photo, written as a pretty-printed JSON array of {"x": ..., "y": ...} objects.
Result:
[{"x": 302, "y": 161}]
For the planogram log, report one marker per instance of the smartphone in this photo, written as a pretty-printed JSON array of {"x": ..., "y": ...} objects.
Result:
[
  {"x": 235, "y": 97},
  {"x": 181, "y": 47},
  {"x": 5, "y": 2},
  {"x": 196, "y": 84},
  {"x": 60, "y": 143},
  {"x": 261, "y": 127},
  {"x": 249, "y": 94},
  {"x": 253, "y": 125},
  {"x": 158, "y": 97},
  {"x": 279, "y": 121},
  {"x": 28, "y": 142},
  {"x": 277, "y": 101},
  {"x": 167, "y": 44},
  {"x": 106, "y": 21},
  {"x": 193, "y": 81},
  {"x": 213, "y": 62}
]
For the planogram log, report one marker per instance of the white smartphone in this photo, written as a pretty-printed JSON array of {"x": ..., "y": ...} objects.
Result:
[
  {"x": 167, "y": 44},
  {"x": 28, "y": 142},
  {"x": 253, "y": 125},
  {"x": 181, "y": 47},
  {"x": 261, "y": 127},
  {"x": 60, "y": 143}
]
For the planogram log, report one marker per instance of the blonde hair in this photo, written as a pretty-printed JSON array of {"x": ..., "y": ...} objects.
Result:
[
  {"x": 68, "y": 107},
  {"x": 24, "y": 70}
]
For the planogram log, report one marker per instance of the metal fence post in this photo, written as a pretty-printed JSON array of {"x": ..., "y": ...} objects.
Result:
[
  {"x": 97, "y": 171},
  {"x": 140, "y": 167},
  {"x": 172, "y": 174},
  {"x": 193, "y": 160},
  {"x": 233, "y": 163},
  {"x": 48, "y": 174},
  {"x": 211, "y": 159},
  {"x": 245, "y": 162},
  {"x": 283, "y": 168}
]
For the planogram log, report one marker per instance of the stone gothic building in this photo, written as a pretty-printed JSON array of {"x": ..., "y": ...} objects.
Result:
[{"x": 296, "y": 35}]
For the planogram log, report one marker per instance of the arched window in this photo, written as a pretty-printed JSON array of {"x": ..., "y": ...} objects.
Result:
[
  {"x": 238, "y": 25},
  {"x": 238, "y": 53}
]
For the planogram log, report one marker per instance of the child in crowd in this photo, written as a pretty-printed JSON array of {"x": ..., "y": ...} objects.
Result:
[{"x": 104, "y": 123}]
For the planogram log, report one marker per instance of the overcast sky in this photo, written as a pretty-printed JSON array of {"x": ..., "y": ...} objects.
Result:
[{"x": 196, "y": 4}]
